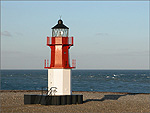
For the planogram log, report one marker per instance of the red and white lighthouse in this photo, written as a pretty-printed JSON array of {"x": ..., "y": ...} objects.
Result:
[{"x": 59, "y": 69}]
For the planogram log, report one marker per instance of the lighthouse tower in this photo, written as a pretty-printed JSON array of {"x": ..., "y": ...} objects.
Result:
[{"x": 59, "y": 69}]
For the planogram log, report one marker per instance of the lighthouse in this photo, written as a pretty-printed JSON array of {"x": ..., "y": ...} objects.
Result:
[{"x": 59, "y": 69}]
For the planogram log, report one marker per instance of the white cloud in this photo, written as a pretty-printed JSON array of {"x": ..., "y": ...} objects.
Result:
[
  {"x": 6, "y": 33},
  {"x": 102, "y": 34},
  {"x": 18, "y": 34}
]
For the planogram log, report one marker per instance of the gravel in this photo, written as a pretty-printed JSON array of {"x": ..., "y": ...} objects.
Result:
[{"x": 104, "y": 102}]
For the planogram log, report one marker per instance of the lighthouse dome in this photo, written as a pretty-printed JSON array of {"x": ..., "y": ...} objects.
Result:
[{"x": 60, "y": 25}]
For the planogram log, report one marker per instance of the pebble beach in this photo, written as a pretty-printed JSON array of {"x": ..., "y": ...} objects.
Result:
[{"x": 12, "y": 101}]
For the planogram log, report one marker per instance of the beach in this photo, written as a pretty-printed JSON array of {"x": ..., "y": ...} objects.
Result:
[{"x": 12, "y": 101}]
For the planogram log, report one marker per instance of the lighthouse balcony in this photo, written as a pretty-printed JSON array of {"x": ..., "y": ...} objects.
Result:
[
  {"x": 68, "y": 41},
  {"x": 47, "y": 65}
]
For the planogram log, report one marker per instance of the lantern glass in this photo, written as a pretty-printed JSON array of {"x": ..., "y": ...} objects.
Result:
[{"x": 60, "y": 32}]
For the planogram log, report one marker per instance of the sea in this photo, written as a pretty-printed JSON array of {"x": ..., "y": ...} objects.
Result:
[{"x": 131, "y": 81}]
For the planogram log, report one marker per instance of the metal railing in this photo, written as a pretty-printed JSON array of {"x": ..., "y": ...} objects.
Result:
[
  {"x": 48, "y": 91},
  {"x": 74, "y": 63},
  {"x": 52, "y": 91},
  {"x": 46, "y": 63}
]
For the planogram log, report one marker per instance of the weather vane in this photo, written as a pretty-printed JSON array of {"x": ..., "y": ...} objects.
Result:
[{"x": 60, "y": 16}]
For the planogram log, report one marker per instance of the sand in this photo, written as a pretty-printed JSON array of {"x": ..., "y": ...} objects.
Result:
[{"x": 104, "y": 102}]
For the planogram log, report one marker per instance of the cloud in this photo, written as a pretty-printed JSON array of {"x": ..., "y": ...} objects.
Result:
[
  {"x": 10, "y": 52},
  {"x": 18, "y": 34},
  {"x": 6, "y": 33},
  {"x": 102, "y": 34}
]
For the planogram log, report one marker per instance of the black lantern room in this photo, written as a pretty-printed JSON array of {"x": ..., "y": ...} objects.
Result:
[{"x": 60, "y": 30}]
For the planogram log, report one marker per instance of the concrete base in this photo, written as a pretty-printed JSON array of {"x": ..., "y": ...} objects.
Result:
[{"x": 53, "y": 100}]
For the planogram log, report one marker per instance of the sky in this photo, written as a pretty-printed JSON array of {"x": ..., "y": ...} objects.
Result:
[{"x": 107, "y": 34}]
